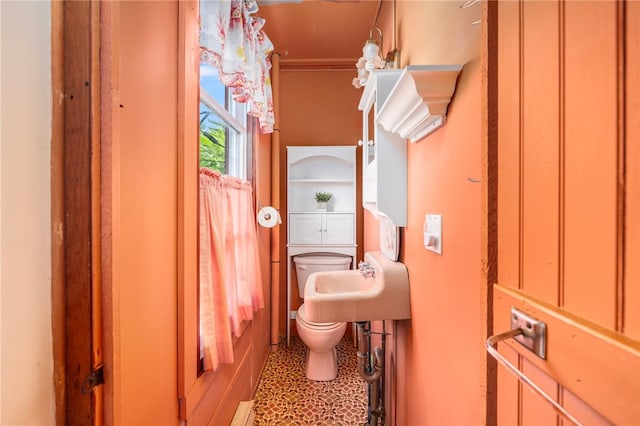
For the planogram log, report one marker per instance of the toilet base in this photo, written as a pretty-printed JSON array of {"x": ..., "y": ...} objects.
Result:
[{"x": 322, "y": 366}]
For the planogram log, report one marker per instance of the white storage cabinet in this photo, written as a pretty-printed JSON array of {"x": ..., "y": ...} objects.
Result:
[
  {"x": 384, "y": 167},
  {"x": 321, "y": 229},
  {"x": 321, "y": 169},
  {"x": 312, "y": 169}
]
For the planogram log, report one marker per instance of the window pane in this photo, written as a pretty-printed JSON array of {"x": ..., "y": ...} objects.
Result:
[
  {"x": 213, "y": 137},
  {"x": 213, "y": 133},
  {"x": 223, "y": 127},
  {"x": 210, "y": 82}
]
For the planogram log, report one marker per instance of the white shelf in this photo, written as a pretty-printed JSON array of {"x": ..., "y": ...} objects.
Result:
[
  {"x": 314, "y": 169},
  {"x": 417, "y": 104}
]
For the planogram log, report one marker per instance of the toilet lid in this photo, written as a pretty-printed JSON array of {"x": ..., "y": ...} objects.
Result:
[
  {"x": 301, "y": 316},
  {"x": 322, "y": 259}
]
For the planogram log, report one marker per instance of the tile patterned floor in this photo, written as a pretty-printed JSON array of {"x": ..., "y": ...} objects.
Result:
[{"x": 286, "y": 397}]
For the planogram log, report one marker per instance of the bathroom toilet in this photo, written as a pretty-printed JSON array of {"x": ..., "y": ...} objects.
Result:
[{"x": 320, "y": 338}]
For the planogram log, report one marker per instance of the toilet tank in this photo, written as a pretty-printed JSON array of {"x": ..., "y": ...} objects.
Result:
[{"x": 306, "y": 264}]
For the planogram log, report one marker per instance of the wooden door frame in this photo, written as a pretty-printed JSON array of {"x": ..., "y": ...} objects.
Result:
[
  {"x": 489, "y": 220},
  {"x": 75, "y": 210}
]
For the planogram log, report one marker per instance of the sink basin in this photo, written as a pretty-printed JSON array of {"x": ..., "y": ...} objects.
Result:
[{"x": 341, "y": 296}]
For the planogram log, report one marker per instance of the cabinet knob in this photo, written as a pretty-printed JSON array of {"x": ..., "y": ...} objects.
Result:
[
  {"x": 370, "y": 142},
  {"x": 360, "y": 143}
]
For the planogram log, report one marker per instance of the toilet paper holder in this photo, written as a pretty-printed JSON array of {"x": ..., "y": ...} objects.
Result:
[{"x": 268, "y": 216}]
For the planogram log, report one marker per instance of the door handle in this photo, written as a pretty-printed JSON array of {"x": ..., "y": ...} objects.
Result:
[{"x": 523, "y": 330}]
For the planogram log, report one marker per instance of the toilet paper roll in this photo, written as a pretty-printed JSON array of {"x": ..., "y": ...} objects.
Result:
[{"x": 269, "y": 217}]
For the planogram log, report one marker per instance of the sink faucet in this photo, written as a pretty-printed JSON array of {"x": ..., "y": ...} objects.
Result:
[{"x": 366, "y": 269}]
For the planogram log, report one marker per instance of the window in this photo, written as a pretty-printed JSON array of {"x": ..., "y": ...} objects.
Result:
[
  {"x": 226, "y": 132},
  {"x": 230, "y": 133},
  {"x": 225, "y": 128}
]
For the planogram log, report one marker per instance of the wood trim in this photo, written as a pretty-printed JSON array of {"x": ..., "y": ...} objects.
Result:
[
  {"x": 188, "y": 128},
  {"x": 213, "y": 399},
  {"x": 508, "y": 153},
  {"x": 110, "y": 211},
  {"x": 521, "y": 140},
  {"x": 318, "y": 64},
  {"x": 632, "y": 172},
  {"x": 274, "y": 186},
  {"x": 95, "y": 196},
  {"x": 594, "y": 363},
  {"x": 561, "y": 151},
  {"x": 621, "y": 165},
  {"x": 57, "y": 210},
  {"x": 79, "y": 137},
  {"x": 490, "y": 160}
]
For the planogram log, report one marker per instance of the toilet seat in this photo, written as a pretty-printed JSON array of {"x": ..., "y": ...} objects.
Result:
[{"x": 320, "y": 326}]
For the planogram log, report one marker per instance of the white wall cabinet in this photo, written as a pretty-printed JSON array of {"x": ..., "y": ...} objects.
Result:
[
  {"x": 397, "y": 105},
  {"x": 384, "y": 155}
]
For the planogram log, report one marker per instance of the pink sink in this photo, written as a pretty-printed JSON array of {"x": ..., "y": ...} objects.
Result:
[{"x": 341, "y": 296}]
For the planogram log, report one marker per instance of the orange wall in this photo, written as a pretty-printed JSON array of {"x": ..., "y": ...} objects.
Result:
[
  {"x": 146, "y": 253},
  {"x": 446, "y": 290},
  {"x": 439, "y": 354},
  {"x": 318, "y": 107},
  {"x": 143, "y": 286}
]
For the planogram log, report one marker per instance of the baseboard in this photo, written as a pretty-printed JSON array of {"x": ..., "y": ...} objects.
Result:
[{"x": 244, "y": 414}]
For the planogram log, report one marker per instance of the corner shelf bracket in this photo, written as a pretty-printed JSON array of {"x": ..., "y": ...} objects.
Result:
[{"x": 417, "y": 104}]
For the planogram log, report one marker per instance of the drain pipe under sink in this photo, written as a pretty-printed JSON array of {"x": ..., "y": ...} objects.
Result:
[{"x": 371, "y": 369}]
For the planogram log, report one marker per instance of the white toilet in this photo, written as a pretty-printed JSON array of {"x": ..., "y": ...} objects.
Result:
[{"x": 320, "y": 338}]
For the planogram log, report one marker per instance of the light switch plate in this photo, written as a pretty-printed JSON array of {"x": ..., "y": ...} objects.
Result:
[{"x": 433, "y": 233}]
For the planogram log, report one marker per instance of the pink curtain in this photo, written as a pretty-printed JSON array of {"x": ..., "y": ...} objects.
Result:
[
  {"x": 232, "y": 40},
  {"x": 230, "y": 279}
]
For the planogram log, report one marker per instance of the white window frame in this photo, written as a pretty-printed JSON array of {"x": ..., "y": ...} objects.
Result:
[{"x": 235, "y": 117}]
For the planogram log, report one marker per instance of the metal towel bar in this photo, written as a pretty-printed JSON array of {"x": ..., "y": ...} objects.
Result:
[{"x": 492, "y": 348}]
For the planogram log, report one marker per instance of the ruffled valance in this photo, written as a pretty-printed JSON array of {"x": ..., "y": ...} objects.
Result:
[{"x": 232, "y": 40}]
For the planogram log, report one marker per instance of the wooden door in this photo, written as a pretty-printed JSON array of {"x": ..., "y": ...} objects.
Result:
[{"x": 568, "y": 207}]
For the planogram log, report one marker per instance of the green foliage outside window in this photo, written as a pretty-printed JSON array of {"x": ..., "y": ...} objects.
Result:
[{"x": 212, "y": 142}]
